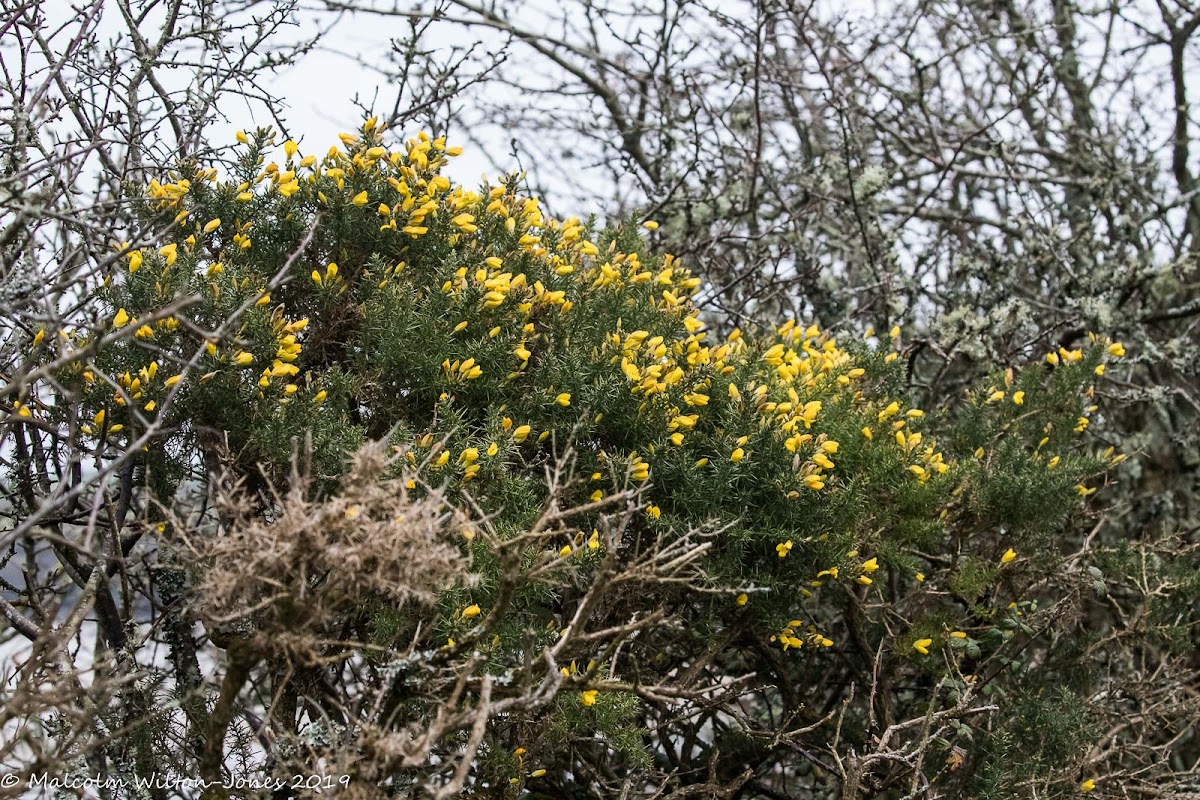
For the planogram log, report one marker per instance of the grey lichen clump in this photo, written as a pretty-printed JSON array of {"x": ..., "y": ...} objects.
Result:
[{"x": 872, "y": 180}]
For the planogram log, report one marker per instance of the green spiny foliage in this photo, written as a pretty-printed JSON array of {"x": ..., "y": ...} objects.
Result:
[{"x": 768, "y": 506}]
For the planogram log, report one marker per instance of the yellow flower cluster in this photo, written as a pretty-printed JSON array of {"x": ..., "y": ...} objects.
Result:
[
  {"x": 469, "y": 459},
  {"x": 789, "y": 639},
  {"x": 288, "y": 349},
  {"x": 676, "y": 379}
]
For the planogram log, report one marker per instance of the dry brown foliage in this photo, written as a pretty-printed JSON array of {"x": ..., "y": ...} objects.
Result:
[{"x": 295, "y": 571}]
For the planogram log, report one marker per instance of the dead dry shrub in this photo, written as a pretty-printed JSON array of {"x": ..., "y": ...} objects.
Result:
[{"x": 290, "y": 576}]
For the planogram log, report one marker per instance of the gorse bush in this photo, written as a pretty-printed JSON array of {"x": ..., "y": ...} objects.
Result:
[{"x": 472, "y": 501}]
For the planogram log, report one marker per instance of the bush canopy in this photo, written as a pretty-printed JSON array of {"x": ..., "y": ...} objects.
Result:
[{"x": 472, "y": 500}]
